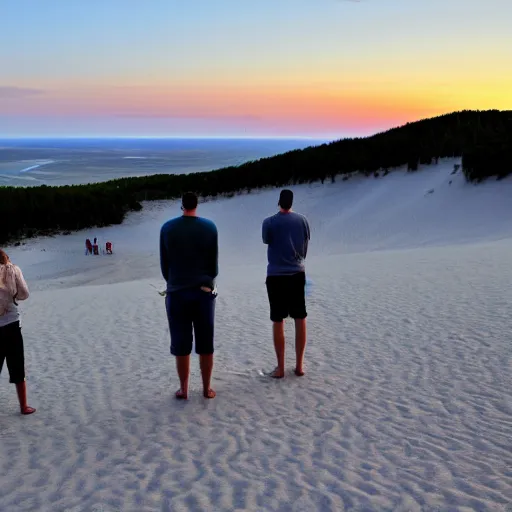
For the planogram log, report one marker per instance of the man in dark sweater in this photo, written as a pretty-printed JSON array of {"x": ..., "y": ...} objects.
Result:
[
  {"x": 189, "y": 264},
  {"x": 287, "y": 235}
]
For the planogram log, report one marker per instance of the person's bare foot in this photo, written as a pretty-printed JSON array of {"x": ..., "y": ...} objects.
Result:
[
  {"x": 277, "y": 373},
  {"x": 28, "y": 410},
  {"x": 181, "y": 395},
  {"x": 299, "y": 372},
  {"x": 209, "y": 393}
]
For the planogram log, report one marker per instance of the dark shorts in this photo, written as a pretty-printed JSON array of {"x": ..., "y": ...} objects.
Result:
[
  {"x": 11, "y": 349},
  {"x": 286, "y": 295},
  {"x": 191, "y": 311}
]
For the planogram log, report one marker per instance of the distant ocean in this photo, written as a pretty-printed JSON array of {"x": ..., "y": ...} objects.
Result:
[{"x": 32, "y": 162}]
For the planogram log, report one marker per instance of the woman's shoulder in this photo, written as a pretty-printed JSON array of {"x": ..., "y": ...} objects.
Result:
[
  {"x": 16, "y": 270},
  {"x": 9, "y": 267}
]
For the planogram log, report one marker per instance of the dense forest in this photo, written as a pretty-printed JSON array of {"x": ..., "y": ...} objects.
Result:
[{"x": 482, "y": 138}]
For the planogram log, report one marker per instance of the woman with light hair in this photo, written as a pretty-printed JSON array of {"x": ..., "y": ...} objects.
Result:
[{"x": 13, "y": 288}]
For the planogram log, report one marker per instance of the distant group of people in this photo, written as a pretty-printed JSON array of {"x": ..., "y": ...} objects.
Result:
[
  {"x": 189, "y": 265},
  {"x": 93, "y": 248}
]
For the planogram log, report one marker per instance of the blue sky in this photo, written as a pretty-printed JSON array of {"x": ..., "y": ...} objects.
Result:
[{"x": 280, "y": 67}]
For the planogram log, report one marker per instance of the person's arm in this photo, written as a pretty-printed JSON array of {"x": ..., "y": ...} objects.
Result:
[
  {"x": 22, "y": 292},
  {"x": 215, "y": 253},
  {"x": 265, "y": 231},
  {"x": 307, "y": 237},
  {"x": 164, "y": 260}
]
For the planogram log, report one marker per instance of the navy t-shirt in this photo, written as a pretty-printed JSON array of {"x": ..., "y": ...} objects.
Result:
[{"x": 189, "y": 253}]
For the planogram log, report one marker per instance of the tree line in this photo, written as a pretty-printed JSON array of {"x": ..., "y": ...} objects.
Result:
[{"x": 482, "y": 138}]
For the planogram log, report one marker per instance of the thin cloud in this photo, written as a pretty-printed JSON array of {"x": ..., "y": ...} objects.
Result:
[
  {"x": 7, "y": 91},
  {"x": 188, "y": 115}
]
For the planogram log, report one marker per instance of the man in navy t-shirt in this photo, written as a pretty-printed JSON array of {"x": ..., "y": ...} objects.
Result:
[
  {"x": 189, "y": 264},
  {"x": 287, "y": 235}
]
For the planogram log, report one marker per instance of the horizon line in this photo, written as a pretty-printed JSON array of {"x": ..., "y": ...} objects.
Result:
[{"x": 176, "y": 137}]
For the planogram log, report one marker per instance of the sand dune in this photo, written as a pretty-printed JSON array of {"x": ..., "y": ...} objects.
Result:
[{"x": 407, "y": 401}]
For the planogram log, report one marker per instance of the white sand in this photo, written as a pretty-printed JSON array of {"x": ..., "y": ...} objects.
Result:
[{"x": 407, "y": 401}]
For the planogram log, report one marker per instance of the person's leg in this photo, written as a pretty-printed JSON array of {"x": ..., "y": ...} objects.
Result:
[
  {"x": 206, "y": 364},
  {"x": 180, "y": 327},
  {"x": 204, "y": 329},
  {"x": 278, "y": 312},
  {"x": 279, "y": 347},
  {"x": 183, "y": 370},
  {"x": 15, "y": 358},
  {"x": 2, "y": 348},
  {"x": 300, "y": 345},
  {"x": 21, "y": 389},
  {"x": 298, "y": 313}
]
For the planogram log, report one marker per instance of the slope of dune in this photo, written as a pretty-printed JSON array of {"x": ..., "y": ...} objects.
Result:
[
  {"x": 407, "y": 400},
  {"x": 399, "y": 211}
]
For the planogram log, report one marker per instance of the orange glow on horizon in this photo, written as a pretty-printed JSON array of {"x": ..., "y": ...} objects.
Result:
[{"x": 318, "y": 104}]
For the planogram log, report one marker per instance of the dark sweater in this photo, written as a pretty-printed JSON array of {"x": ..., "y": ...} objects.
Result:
[{"x": 189, "y": 253}]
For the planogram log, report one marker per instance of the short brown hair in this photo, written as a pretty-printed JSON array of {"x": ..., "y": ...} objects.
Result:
[
  {"x": 189, "y": 201},
  {"x": 286, "y": 199}
]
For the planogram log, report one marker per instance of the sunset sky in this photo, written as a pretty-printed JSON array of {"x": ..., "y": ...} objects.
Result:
[{"x": 312, "y": 68}]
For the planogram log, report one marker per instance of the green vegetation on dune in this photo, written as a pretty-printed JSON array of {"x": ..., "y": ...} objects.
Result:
[
  {"x": 482, "y": 138},
  {"x": 490, "y": 155}
]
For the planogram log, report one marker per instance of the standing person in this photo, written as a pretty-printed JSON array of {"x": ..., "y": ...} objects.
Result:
[
  {"x": 12, "y": 288},
  {"x": 287, "y": 235},
  {"x": 189, "y": 264}
]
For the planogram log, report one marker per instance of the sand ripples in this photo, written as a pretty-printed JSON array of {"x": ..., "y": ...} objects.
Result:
[{"x": 407, "y": 404}]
